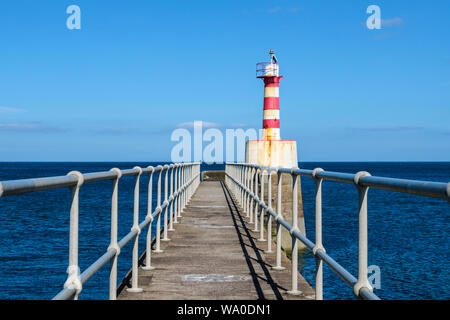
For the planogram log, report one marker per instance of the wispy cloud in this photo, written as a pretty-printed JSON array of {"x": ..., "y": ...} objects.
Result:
[
  {"x": 391, "y": 22},
  {"x": 29, "y": 127},
  {"x": 119, "y": 131},
  {"x": 205, "y": 124},
  {"x": 274, "y": 10},
  {"x": 385, "y": 35},
  {"x": 389, "y": 129},
  {"x": 279, "y": 9},
  {"x": 11, "y": 110}
]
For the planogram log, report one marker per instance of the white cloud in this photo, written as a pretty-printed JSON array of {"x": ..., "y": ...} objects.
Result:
[
  {"x": 11, "y": 110},
  {"x": 274, "y": 10},
  {"x": 205, "y": 124},
  {"x": 390, "y": 129},
  {"x": 28, "y": 127},
  {"x": 391, "y": 22}
]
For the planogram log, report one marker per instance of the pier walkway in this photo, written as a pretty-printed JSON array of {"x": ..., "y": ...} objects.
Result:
[{"x": 214, "y": 255}]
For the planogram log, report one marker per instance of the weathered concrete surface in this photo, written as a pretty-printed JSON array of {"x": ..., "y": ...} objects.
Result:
[
  {"x": 272, "y": 153},
  {"x": 213, "y": 242},
  {"x": 213, "y": 175}
]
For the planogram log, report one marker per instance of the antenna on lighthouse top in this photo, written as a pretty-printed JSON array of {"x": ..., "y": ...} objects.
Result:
[{"x": 273, "y": 58}]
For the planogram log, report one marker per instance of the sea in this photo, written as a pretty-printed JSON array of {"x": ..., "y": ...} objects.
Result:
[{"x": 408, "y": 235}]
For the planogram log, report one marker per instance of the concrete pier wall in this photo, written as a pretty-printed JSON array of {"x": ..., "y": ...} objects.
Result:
[{"x": 286, "y": 207}]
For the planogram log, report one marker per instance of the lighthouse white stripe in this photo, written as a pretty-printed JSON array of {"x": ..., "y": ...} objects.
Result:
[
  {"x": 271, "y": 114},
  {"x": 273, "y": 92}
]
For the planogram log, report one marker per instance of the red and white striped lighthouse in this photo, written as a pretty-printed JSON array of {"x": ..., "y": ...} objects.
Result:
[
  {"x": 270, "y": 150},
  {"x": 268, "y": 71}
]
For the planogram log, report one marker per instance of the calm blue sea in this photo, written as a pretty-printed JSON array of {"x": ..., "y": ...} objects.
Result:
[{"x": 408, "y": 235}]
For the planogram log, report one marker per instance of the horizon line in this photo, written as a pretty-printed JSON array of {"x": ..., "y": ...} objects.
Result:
[{"x": 223, "y": 163}]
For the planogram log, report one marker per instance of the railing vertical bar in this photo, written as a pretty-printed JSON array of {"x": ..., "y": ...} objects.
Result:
[
  {"x": 172, "y": 167},
  {"x": 148, "y": 250},
  {"x": 135, "y": 256},
  {"x": 363, "y": 281},
  {"x": 166, "y": 203},
  {"x": 294, "y": 254},
  {"x": 175, "y": 201},
  {"x": 262, "y": 210},
  {"x": 114, "y": 244},
  {"x": 255, "y": 217},
  {"x": 269, "y": 216},
  {"x": 252, "y": 190},
  {"x": 158, "y": 219},
  {"x": 73, "y": 270},
  {"x": 278, "y": 218},
  {"x": 318, "y": 245}
]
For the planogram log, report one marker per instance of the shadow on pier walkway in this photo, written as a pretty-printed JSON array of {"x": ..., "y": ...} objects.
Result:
[{"x": 214, "y": 255}]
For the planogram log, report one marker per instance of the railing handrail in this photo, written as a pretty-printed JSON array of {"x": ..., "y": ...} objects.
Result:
[
  {"x": 21, "y": 186},
  {"x": 245, "y": 181},
  {"x": 415, "y": 187},
  {"x": 184, "y": 180}
]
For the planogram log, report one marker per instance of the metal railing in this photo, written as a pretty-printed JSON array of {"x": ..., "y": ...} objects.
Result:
[
  {"x": 243, "y": 180},
  {"x": 267, "y": 69},
  {"x": 184, "y": 180}
]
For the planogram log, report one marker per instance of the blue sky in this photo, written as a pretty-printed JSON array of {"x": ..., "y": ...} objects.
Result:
[{"x": 116, "y": 89}]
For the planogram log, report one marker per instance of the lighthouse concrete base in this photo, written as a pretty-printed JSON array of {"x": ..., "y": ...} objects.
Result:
[
  {"x": 279, "y": 153},
  {"x": 272, "y": 153}
]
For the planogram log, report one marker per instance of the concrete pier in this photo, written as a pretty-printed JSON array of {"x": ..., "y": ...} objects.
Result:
[{"x": 214, "y": 255}]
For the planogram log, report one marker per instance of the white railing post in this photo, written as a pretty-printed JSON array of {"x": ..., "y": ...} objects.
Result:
[
  {"x": 294, "y": 255},
  {"x": 158, "y": 220},
  {"x": 252, "y": 190},
  {"x": 269, "y": 216},
  {"x": 172, "y": 167},
  {"x": 166, "y": 203},
  {"x": 279, "y": 217},
  {"x": 73, "y": 270},
  {"x": 175, "y": 201},
  {"x": 261, "y": 215},
  {"x": 183, "y": 188},
  {"x": 114, "y": 244},
  {"x": 249, "y": 187},
  {"x": 135, "y": 257},
  {"x": 245, "y": 182},
  {"x": 241, "y": 179},
  {"x": 318, "y": 245},
  {"x": 189, "y": 189},
  {"x": 180, "y": 190},
  {"x": 255, "y": 217},
  {"x": 148, "y": 250},
  {"x": 363, "y": 281}
]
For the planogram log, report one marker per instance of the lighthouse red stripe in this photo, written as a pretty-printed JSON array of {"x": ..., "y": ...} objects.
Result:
[
  {"x": 272, "y": 81},
  {"x": 271, "y": 123},
  {"x": 271, "y": 103}
]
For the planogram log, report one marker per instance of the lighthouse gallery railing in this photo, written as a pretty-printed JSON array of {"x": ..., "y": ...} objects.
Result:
[
  {"x": 184, "y": 180},
  {"x": 243, "y": 180}
]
